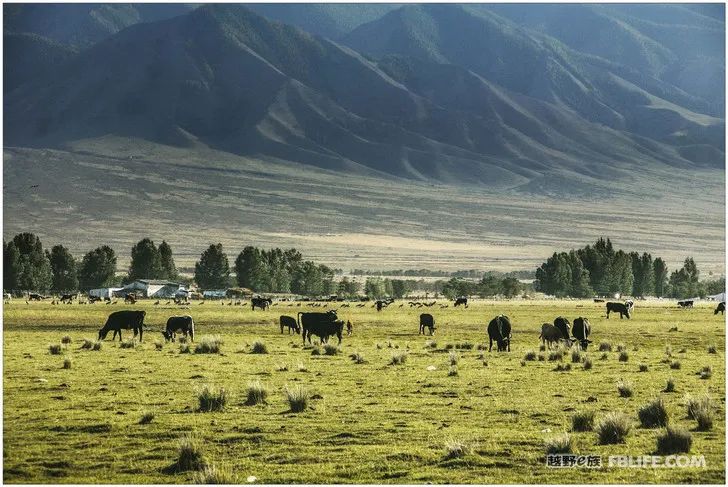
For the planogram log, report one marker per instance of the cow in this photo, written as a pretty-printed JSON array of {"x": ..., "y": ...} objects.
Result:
[
  {"x": 720, "y": 309},
  {"x": 349, "y": 328},
  {"x": 550, "y": 334},
  {"x": 383, "y": 303},
  {"x": 130, "y": 298},
  {"x": 93, "y": 299},
  {"x": 262, "y": 303},
  {"x": 123, "y": 320},
  {"x": 35, "y": 297},
  {"x": 182, "y": 324},
  {"x": 564, "y": 327},
  {"x": 622, "y": 308},
  {"x": 323, "y": 325},
  {"x": 68, "y": 297},
  {"x": 427, "y": 321},
  {"x": 686, "y": 303},
  {"x": 598, "y": 300},
  {"x": 499, "y": 329},
  {"x": 581, "y": 331},
  {"x": 461, "y": 300},
  {"x": 290, "y": 323}
]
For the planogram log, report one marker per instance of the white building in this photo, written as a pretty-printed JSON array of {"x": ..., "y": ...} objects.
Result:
[
  {"x": 104, "y": 292},
  {"x": 152, "y": 288}
]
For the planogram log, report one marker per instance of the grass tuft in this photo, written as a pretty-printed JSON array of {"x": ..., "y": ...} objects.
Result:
[
  {"x": 700, "y": 408},
  {"x": 530, "y": 356},
  {"x": 453, "y": 371},
  {"x": 576, "y": 356},
  {"x": 55, "y": 349},
  {"x": 212, "y": 400},
  {"x": 613, "y": 428},
  {"x": 316, "y": 350},
  {"x": 158, "y": 345},
  {"x": 213, "y": 475},
  {"x": 357, "y": 357},
  {"x": 674, "y": 440},
  {"x": 67, "y": 363},
  {"x": 560, "y": 444},
  {"x": 455, "y": 448},
  {"x": 66, "y": 340},
  {"x": 675, "y": 364},
  {"x": 297, "y": 398},
  {"x": 208, "y": 344},
  {"x": 582, "y": 421},
  {"x": 643, "y": 368},
  {"x": 330, "y": 349},
  {"x": 97, "y": 345},
  {"x": 184, "y": 348},
  {"x": 605, "y": 347},
  {"x": 147, "y": 417},
  {"x": 706, "y": 372},
  {"x": 256, "y": 394},
  {"x": 712, "y": 349},
  {"x": 453, "y": 358},
  {"x": 653, "y": 414},
  {"x": 623, "y": 356},
  {"x": 587, "y": 365},
  {"x": 670, "y": 385},
  {"x": 87, "y": 344},
  {"x": 398, "y": 358},
  {"x": 128, "y": 343},
  {"x": 625, "y": 388},
  {"x": 190, "y": 456},
  {"x": 259, "y": 348}
]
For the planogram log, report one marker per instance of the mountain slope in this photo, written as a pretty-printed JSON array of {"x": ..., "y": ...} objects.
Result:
[{"x": 29, "y": 56}]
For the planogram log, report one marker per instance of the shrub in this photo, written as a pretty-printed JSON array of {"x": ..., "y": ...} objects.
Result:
[
  {"x": 604, "y": 356},
  {"x": 563, "y": 368},
  {"x": 644, "y": 368},
  {"x": 674, "y": 440},
  {"x": 158, "y": 345},
  {"x": 556, "y": 355},
  {"x": 281, "y": 367},
  {"x": 316, "y": 350},
  {"x": 464, "y": 346},
  {"x": 211, "y": 399},
  {"x": 623, "y": 356},
  {"x": 625, "y": 388},
  {"x": 673, "y": 328},
  {"x": 256, "y": 394},
  {"x": 55, "y": 349},
  {"x": 605, "y": 347},
  {"x": 613, "y": 428},
  {"x": 675, "y": 364},
  {"x": 190, "y": 456},
  {"x": 67, "y": 363},
  {"x": 301, "y": 367},
  {"x": 67, "y": 339},
  {"x": 97, "y": 345},
  {"x": 129, "y": 343},
  {"x": 357, "y": 358},
  {"x": 455, "y": 448},
  {"x": 453, "y": 371},
  {"x": 530, "y": 356},
  {"x": 259, "y": 348},
  {"x": 398, "y": 358},
  {"x": 559, "y": 444},
  {"x": 712, "y": 349},
  {"x": 209, "y": 344},
  {"x": 587, "y": 365},
  {"x": 576, "y": 356},
  {"x": 706, "y": 372},
  {"x": 147, "y": 417},
  {"x": 453, "y": 358},
  {"x": 184, "y": 348},
  {"x": 670, "y": 385},
  {"x": 653, "y": 414},
  {"x": 582, "y": 421},
  {"x": 330, "y": 349},
  {"x": 212, "y": 475},
  {"x": 297, "y": 398},
  {"x": 541, "y": 357},
  {"x": 621, "y": 347},
  {"x": 87, "y": 344},
  {"x": 542, "y": 347},
  {"x": 431, "y": 344}
]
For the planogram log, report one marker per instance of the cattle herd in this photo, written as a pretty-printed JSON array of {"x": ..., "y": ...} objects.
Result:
[{"x": 327, "y": 324}]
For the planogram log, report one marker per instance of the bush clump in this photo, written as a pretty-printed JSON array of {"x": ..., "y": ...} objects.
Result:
[
  {"x": 623, "y": 356},
  {"x": 582, "y": 421},
  {"x": 559, "y": 444},
  {"x": 357, "y": 357},
  {"x": 190, "y": 455},
  {"x": 613, "y": 428},
  {"x": 674, "y": 440},
  {"x": 653, "y": 414},
  {"x": 670, "y": 385},
  {"x": 530, "y": 356},
  {"x": 625, "y": 388},
  {"x": 212, "y": 400},
  {"x": 208, "y": 344},
  {"x": 587, "y": 364},
  {"x": 259, "y": 348},
  {"x": 256, "y": 394},
  {"x": 67, "y": 363},
  {"x": 55, "y": 349},
  {"x": 66, "y": 340},
  {"x": 297, "y": 398},
  {"x": 643, "y": 368},
  {"x": 147, "y": 417},
  {"x": 605, "y": 347},
  {"x": 87, "y": 344},
  {"x": 330, "y": 349},
  {"x": 398, "y": 358}
]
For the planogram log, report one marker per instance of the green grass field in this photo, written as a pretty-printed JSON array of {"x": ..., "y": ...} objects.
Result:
[{"x": 366, "y": 422}]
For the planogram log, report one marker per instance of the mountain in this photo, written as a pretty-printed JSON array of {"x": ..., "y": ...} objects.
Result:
[
  {"x": 29, "y": 57},
  {"x": 429, "y": 107}
]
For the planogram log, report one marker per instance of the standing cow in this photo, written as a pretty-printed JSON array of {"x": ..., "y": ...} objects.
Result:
[
  {"x": 262, "y": 303},
  {"x": 581, "y": 331},
  {"x": 622, "y": 308},
  {"x": 461, "y": 300},
  {"x": 720, "y": 309},
  {"x": 290, "y": 323},
  {"x": 323, "y": 325},
  {"x": 427, "y": 321},
  {"x": 564, "y": 327},
  {"x": 182, "y": 324},
  {"x": 499, "y": 329},
  {"x": 550, "y": 335},
  {"x": 123, "y": 320}
]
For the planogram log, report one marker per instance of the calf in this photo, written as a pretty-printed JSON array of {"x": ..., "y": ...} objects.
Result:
[
  {"x": 182, "y": 324},
  {"x": 427, "y": 321},
  {"x": 581, "y": 332},
  {"x": 290, "y": 323},
  {"x": 499, "y": 329}
]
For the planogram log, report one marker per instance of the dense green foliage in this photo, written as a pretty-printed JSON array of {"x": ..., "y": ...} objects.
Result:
[
  {"x": 26, "y": 265},
  {"x": 98, "y": 269},
  {"x": 212, "y": 271},
  {"x": 63, "y": 266}
]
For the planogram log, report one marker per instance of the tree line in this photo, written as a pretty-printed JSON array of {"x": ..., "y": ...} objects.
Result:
[{"x": 601, "y": 270}]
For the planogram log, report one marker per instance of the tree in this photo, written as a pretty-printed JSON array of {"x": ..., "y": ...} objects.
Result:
[
  {"x": 348, "y": 288},
  {"x": 11, "y": 266},
  {"x": 489, "y": 285},
  {"x": 33, "y": 270},
  {"x": 98, "y": 269},
  {"x": 684, "y": 283},
  {"x": 63, "y": 267},
  {"x": 660, "y": 274},
  {"x": 166, "y": 260},
  {"x": 511, "y": 287},
  {"x": 400, "y": 287},
  {"x": 374, "y": 287},
  {"x": 212, "y": 271},
  {"x": 250, "y": 269},
  {"x": 622, "y": 279},
  {"x": 146, "y": 262}
]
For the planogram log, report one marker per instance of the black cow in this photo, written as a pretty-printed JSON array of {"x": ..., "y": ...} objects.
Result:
[
  {"x": 499, "y": 329},
  {"x": 290, "y": 323},
  {"x": 427, "y": 321},
  {"x": 564, "y": 327},
  {"x": 182, "y": 324},
  {"x": 460, "y": 301},
  {"x": 581, "y": 331},
  {"x": 323, "y": 325},
  {"x": 93, "y": 299},
  {"x": 349, "y": 328},
  {"x": 720, "y": 309},
  {"x": 130, "y": 298},
  {"x": 123, "y": 320},
  {"x": 35, "y": 297},
  {"x": 686, "y": 303},
  {"x": 68, "y": 297},
  {"x": 262, "y": 303},
  {"x": 621, "y": 308},
  {"x": 598, "y": 300},
  {"x": 383, "y": 303}
]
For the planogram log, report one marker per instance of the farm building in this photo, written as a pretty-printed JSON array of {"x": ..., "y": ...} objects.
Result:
[
  {"x": 214, "y": 294},
  {"x": 238, "y": 292},
  {"x": 151, "y": 288},
  {"x": 104, "y": 292}
]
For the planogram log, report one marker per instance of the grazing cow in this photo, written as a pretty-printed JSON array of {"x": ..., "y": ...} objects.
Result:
[
  {"x": 262, "y": 303},
  {"x": 499, "y": 329},
  {"x": 720, "y": 309},
  {"x": 686, "y": 303},
  {"x": 123, "y": 320},
  {"x": 182, "y": 324},
  {"x": 581, "y": 331},
  {"x": 550, "y": 334},
  {"x": 67, "y": 298},
  {"x": 598, "y": 300},
  {"x": 323, "y": 325},
  {"x": 290, "y": 323},
  {"x": 35, "y": 297},
  {"x": 622, "y": 308},
  {"x": 564, "y": 327},
  {"x": 427, "y": 321},
  {"x": 130, "y": 298},
  {"x": 349, "y": 328},
  {"x": 460, "y": 301}
]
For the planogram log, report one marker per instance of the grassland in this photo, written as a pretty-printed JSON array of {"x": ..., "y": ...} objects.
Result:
[{"x": 367, "y": 422}]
